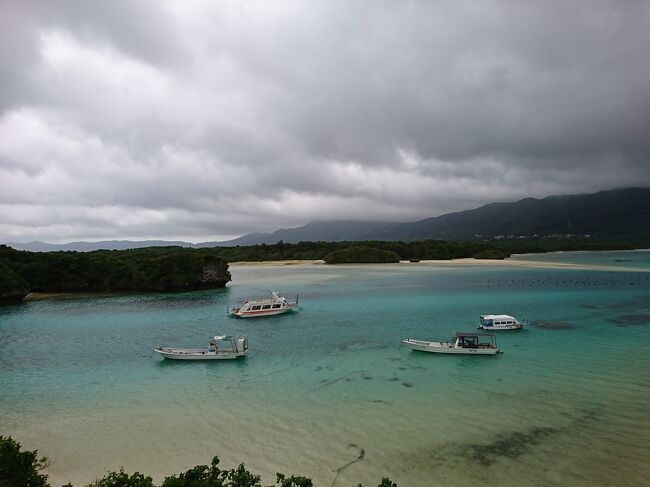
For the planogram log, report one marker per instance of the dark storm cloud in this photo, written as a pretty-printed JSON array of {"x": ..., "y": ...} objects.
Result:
[{"x": 211, "y": 119}]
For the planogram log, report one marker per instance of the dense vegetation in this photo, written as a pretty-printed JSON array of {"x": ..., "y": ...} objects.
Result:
[
  {"x": 177, "y": 268},
  {"x": 427, "y": 249},
  {"x": 22, "y": 469},
  {"x": 151, "y": 269},
  {"x": 362, "y": 255},
  {"x": 12, "y": 286},
  {"x": 538, "y": 246}
]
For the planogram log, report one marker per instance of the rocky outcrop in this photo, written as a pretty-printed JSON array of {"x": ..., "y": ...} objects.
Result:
[{"x": 215, "y": 275}]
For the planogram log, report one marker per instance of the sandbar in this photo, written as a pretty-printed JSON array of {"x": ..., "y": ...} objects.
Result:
[
  {"x": 469, "y": 262},
  {"x": 532, "y": 264}
]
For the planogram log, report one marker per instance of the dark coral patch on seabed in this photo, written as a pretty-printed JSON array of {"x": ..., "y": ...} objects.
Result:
[
  {"x": 511, "y": 446},
  {"x": 631, "y": 319},
  {"x": 554, "y": 325}
]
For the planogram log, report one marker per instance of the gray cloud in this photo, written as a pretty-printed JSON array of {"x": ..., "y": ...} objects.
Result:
[{"x": 203, "y": 120}]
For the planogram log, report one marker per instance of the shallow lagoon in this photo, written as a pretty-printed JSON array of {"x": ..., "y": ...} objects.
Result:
[{"x": 562, "y": 406}]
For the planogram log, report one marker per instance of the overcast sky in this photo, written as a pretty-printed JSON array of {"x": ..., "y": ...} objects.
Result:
[{"x": 208, "y": 120}]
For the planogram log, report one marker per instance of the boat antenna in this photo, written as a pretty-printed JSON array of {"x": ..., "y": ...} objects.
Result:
[{"x": 297, "y": 296}]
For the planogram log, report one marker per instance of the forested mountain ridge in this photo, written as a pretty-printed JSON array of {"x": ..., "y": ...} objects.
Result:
[{"x": 615, "y": 213}]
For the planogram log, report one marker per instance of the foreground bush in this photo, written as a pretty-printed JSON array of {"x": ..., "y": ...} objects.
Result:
[{"x": 21, "y": 469}]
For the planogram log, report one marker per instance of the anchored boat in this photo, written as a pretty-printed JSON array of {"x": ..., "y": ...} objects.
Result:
[
  {"x": 254, "y": 307},
  {"x": 222, "y": 347},
  {"x": 500, "y": 322},
  {"x": 467, "y": 343}
]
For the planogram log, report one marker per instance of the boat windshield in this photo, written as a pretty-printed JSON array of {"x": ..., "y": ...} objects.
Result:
[
  {"x": 468, "y": 342},
  {"x": 478, "y": 340}
]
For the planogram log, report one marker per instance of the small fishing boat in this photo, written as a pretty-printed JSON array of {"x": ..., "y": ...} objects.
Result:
[
  {"x": 500, "y": 322},
  {"x": 222, "y": 347},
  {"x": 267, "y": 306},
  {"x": 467, "y": 343}
]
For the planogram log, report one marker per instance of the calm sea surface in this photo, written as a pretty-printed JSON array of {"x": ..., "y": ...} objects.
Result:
[{"x": 566, "y": 404}]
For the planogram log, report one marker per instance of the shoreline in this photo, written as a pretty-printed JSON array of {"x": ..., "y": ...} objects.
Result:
[
  {"x": 36, "y": 296},
  {"x": 463, "y": 262}
]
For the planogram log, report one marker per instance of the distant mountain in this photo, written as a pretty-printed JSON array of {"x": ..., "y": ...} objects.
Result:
[
  {"x": 37, "y": 246},
  {"x": 614, "y": 213},
  {"x": 324, "y": 231},
  {"x": 249, "y": 239},
  {"x": 620, "y": 212}
]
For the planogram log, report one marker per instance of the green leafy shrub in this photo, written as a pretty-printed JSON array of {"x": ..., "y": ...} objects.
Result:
[
  {"x": 122, "y": 479},
  {"x": 20, "y": 468}
]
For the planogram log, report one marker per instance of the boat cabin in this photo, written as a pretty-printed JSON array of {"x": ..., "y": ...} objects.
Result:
[
  {"x": 228, "y": 343},
  {"x": 257, "y": 307},
  {"x": 475, "y": 340},
  {"x": 498, "y": 320}
]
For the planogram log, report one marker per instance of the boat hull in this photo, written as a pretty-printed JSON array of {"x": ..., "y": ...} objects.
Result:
[
  {"x": 500, "y": 328},
  {"x": 260, "y": 313},
  {"x": 447, "y": 348},
  {"x": 500, "y": 323},
  {"x": 192, "y": 354}
]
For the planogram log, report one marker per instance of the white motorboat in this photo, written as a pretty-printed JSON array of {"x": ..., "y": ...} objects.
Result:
[
  {"x": 467, "y": 343},
  {"x": 500, "y": 322},
  {"x": 222, "y": 347},
  {"x": 267, "y": 306}
]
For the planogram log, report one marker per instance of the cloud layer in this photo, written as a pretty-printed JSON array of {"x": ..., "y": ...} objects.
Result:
[{"x": 203, "y": 120}]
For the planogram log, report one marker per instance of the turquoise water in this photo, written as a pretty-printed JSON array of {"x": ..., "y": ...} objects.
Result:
[
  {"x": 566, "y": 404},
  {"x": 633, "y": 259}
]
